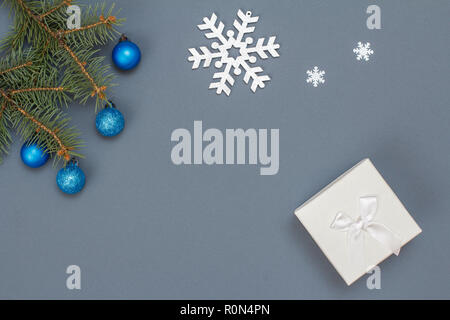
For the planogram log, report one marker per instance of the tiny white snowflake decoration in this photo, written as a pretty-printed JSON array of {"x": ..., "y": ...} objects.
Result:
[
  {"x": 315, "y": 76},
  {"x": 363, "y": 51},
  {"x": 222, "y": 53}
]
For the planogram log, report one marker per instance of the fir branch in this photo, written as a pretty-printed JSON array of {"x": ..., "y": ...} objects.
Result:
[
  {"x": 57, "y": 46},
  {"x": 102, "y": 21},
  {"x": 98, "y": 90},
  {"x": 76, "y": 81},
  {"x": 30, "y": 100},
  {"x": 60, "y": 64},
  {"x": 63, "y": 150},
  {"x": 27, "y": 64},
  {"x": 37, "y": 19},
  {"x": 13, "y": 92},
  {"x": 91, "y": 33},
  {"x": 55, "y": 8},
  {"x": 36, "y": 84}
]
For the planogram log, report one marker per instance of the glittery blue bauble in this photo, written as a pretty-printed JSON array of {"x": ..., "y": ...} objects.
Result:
[
  {"x": 126, "y": 55},
  {"x": 70, "y": 179},
  {"x": 33, "y": 156},
  {"x": 109, "y": 122}
]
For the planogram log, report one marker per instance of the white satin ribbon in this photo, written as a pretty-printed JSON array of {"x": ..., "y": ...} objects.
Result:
[{"x": 355, "y": 230}]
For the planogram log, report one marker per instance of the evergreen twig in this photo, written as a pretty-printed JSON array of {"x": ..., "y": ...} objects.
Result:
[{"x": 60, "y": 64}]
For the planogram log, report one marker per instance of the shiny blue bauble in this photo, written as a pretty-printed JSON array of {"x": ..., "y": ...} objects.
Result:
[
  {"x": 126, "y": 55},
  {"x": 33, "y": 155},
  {"x": 109, "y": 122},
  {"x": 71, "y": 178}
]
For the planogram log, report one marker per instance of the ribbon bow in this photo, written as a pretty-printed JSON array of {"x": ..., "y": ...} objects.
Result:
[{"x": 355, "y": 230}]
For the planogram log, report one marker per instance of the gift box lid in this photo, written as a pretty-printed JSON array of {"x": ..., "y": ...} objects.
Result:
[{"x": 353, "y": 241}]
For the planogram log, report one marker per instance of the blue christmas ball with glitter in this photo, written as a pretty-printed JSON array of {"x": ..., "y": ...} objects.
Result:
[
  {"x": 109, "y": 122},
  {"x": 33, "y": 155},
  {"x": 71, "y": 178},
  {"x": 126, "y": 55}
]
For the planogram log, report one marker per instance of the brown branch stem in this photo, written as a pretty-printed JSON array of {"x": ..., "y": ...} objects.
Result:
[
  {"x": 13, "y": 92},
  {"x": 2, "y": 109},
  {"x": 107, "y": 21},
  {"x": 27, "y": 64},
  {"x": 62, "y": 3}
]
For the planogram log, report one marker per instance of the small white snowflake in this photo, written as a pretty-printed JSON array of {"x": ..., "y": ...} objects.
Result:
[
  {"x": 315, "y": 76},
  {"x": 363, "y": 51},
  {"x": 222, "y": 52}
]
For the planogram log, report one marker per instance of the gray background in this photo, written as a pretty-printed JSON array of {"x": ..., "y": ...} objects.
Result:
[{"x": 145, "y": 228}]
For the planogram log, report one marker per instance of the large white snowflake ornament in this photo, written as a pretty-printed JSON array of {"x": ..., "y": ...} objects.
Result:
[
  {"x": 222, "y": 53},
  {"x": 363, "y": 51},
  {"x": 315, "y": 76}
]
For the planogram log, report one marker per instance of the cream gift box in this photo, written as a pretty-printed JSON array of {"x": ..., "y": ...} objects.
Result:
[{"x": 357, "y": 221}]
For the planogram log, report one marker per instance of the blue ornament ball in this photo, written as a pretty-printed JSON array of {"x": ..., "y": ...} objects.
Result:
[
  {"x": 126, "y": 55},
  {"x": 71, "y": 178},
  {"x": 109, "y": 122},
  {"x": 33, "y": 155}
]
